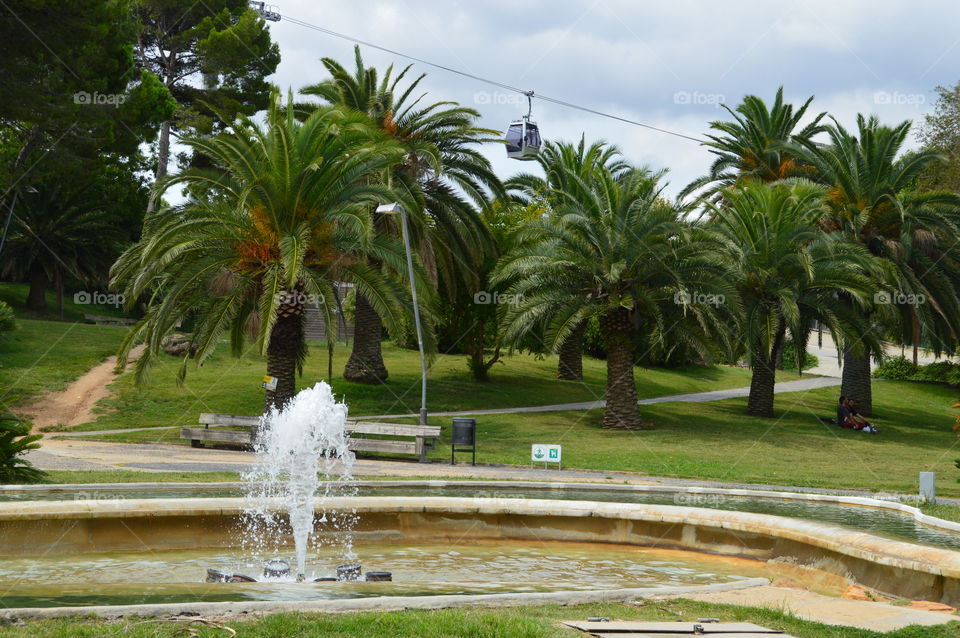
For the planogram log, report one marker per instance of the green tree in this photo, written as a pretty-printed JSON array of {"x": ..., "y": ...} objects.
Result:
[
  {"x": 288, "y": 218},
  {"x": 616, "y": 251},
  {"x": 563, "y": 163},
  {"x": 443, "y": 174},
  {"x": 212, "y": 56},
  {"x": 70, "y": 81},
  {"x": 871, "y": 200},
  {"x": 940, "y": 132},
  {"x": 783, "y": 267}
]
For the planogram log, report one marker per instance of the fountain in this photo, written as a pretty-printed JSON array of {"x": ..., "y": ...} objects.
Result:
[
  {"x": 463, "y": 541},
  {"x": 293, "y": 447}
]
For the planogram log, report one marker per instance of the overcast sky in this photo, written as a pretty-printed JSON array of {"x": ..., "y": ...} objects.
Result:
[{"x": 667, "y": 64}]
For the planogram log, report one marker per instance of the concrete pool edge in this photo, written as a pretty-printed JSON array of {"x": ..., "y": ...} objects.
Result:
[
  {"x": 848, "y": 500},
  {"x": 899, "y": 568},
  {"x": 374, "y": 604}
]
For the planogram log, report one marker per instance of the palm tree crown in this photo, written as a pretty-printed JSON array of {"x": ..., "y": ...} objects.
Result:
[{"x": 287, "y": 217}]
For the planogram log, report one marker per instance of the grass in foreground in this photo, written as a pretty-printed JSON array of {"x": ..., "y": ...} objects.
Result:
[
  {"x": 511, "y": 622},
  {"x": 229, "y": 385}
]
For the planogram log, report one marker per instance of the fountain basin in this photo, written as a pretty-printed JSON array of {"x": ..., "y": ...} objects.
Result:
[{"x": 890, "y": 566}]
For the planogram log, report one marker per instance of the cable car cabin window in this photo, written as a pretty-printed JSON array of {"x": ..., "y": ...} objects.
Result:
[
  {"x": 515, "y": 137},
  {"x": 533, "y": 137}
]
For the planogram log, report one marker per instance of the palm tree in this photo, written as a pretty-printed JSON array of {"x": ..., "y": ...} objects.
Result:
[
  {"x": 443, "y": 172},
  {"x": 617, "y": 251},
  {"x": 783, "y": 266},
  {"x": 871, "y": 201},
  {"x": 562, "y": 162},
  {"x": 751, "y": 147},
  {"x": 287, "y": 218}
]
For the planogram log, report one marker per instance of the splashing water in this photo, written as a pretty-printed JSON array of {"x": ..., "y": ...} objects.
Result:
[{"x": 293, "y": 446}]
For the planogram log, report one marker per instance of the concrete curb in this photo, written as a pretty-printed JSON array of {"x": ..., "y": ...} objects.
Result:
[{"x": 380, "y": 603}]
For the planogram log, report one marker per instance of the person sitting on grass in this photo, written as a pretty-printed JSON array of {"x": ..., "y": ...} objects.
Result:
[
  {"x": 861, "y": 423},
  {"x": 847, "y": 417},
  {"x": 843, "y": 413}
]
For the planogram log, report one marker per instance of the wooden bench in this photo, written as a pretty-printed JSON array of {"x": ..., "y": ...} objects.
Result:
[{"x": 408, "y": 439}]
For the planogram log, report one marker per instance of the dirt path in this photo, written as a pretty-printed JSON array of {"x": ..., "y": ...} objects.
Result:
[{"x": 75, "y": 404}]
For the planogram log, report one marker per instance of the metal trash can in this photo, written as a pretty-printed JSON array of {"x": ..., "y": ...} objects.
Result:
[{"x": 464, "y": 438}]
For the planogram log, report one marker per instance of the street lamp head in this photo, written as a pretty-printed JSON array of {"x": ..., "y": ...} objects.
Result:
[
  {"x": 390, "y": 209},
  {"x": 30, "y": 189}
]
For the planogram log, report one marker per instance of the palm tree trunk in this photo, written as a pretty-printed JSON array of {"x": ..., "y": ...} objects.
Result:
[
  {"x": 622, "y": 411},
  {"x": 37, "y": 296},
  {"x": 365, "y": 364},
  {"x": 570, "y": 366},
  {"x": 855, "y": 380},
  {"x": 779, "y": 342},
  {"x": 762, "y": 381},
  {"x": 284, "y": 353}
]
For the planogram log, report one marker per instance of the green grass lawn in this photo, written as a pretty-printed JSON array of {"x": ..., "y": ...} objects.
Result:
[
  {"x": 946, "y": 512},
  {"x": 510, "y": 622},
  {"x": 229, "y": 385},
  {"x": 44, "y": 356},
  {"x": 718, "y": 441}
]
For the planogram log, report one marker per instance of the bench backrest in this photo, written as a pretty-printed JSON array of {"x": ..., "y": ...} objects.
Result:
[
  {"x": 207, "y": 418},
  {"x": 358, "y": 427}
]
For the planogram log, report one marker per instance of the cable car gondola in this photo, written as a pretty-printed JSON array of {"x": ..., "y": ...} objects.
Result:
[{"x": 523, "y": 136}]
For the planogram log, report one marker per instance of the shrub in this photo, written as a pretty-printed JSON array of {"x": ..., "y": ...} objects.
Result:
[
  {"x": 790, "y": 358},
  {"x": 7, "y": 320},
  {"x": 940, "y": 371},
  {"x": 15, "y": 440},
  {"x": 896, "y": 369}
]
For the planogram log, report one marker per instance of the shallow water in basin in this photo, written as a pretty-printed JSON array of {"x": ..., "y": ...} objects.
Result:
[{"x": 418, "y": 570}]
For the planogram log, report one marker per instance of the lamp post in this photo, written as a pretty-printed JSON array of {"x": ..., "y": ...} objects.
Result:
[
  {"x": 6, "y": 224},
  {"x": 392, "y": 209}
]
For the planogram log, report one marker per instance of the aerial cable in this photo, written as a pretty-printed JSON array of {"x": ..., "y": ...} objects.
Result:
[{"x": 502, "y": 85}]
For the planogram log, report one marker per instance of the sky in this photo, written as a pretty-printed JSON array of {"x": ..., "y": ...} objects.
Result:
[{"x": 666, "y": 64}]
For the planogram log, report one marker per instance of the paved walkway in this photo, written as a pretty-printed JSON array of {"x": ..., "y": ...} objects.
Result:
[
  {"x": 66, "y": 454},
  {"x": 828, "y": 609},
  {"x": 828, "y": 360}
]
